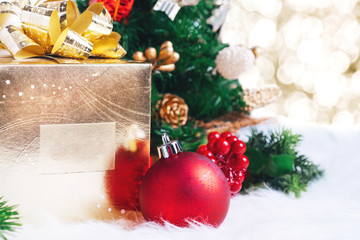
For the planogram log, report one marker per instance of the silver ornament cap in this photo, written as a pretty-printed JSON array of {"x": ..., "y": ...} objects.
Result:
[{"x": 169, "y": 147}]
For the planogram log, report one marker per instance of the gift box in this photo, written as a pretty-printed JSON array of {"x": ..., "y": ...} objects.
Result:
[{"x": 71, "y": 130}]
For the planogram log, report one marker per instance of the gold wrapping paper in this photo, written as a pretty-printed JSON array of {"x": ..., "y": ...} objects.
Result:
[
  {"x": 42, "y": 25},
  {"x": 86, "y": 111},
  {"x": 19, "y": 45},
  {"x": 71, "y": 44}
]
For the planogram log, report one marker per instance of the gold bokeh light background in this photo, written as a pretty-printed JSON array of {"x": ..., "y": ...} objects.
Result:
[{"x": 310, "y": 50}]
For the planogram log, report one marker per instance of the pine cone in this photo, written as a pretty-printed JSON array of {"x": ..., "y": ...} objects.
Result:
[{"x": 172, "y": 109}]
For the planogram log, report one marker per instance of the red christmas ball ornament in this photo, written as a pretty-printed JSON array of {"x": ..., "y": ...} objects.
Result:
[
  {"x": 227, "y": 152},
  {"x": 184, "y": 186}
]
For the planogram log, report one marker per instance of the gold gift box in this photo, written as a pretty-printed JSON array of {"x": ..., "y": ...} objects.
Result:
[{"x": 60, "y": 127}]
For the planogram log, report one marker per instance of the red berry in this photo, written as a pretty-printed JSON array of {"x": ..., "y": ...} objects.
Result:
[
  {"x": 239, "y": 163},
  {"x": 238, "y": 147},
  {"x": 225, "y": 135},
  {"x": 210, "y": 145},
  {"x": 221, "y": 146},
  {"x": 213, "y": 136},
  {"x": 243, "y": 162},
  {"x": 207, "y": 154},
  {"x": 232, "y": 139},
  {"x": 235, "y": 187},
  {"x": 226, "y": 151},
  {"x": 201, "y": 149},
  {"x": 239, "y": 176}
]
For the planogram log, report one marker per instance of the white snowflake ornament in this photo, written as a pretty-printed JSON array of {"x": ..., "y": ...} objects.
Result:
[{"x": 233, "y": 61}]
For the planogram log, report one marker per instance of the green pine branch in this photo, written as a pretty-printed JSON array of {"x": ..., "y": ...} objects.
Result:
[
  {"x": 9, "y": 218},
  {"x": 190, "y": 135},
  {"x": 291, "y": 171}
]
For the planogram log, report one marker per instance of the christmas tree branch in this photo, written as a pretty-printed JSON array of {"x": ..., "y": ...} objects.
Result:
[
  {"x": 292, "y": 171},
  {"x": 190, "y": 135},
  {"x": 9, "y": 218}
]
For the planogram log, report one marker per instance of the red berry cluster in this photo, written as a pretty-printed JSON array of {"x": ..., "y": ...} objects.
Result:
[{"x": 226, "y": 150}]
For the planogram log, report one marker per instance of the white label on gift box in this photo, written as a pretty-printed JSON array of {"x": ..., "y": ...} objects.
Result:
[{"x": 74, "y": 148}]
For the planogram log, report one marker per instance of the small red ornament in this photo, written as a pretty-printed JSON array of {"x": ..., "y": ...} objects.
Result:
[
  {"x": 184, "y": 186},
  {"x": 227, "y": 153},
  {"x": 123, "y": 184},
  {"x": 118, "y": 9}
]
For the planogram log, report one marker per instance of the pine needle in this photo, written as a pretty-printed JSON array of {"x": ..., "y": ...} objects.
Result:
[
  {"x": 276, "y": 143},
  {"x": 9, "y": 218}
]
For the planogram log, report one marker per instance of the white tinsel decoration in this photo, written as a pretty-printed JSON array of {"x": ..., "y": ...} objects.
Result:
[
  {"x": 189, "y": 2},
  {"x": 219, "y": 14},
  {"x": 233, "y": 61}
]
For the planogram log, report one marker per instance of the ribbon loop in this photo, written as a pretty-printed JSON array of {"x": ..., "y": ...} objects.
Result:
[{"x": 56, "y": 27}]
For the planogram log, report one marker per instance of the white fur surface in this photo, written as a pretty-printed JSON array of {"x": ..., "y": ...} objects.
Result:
[{"x": 330, "y": 209}]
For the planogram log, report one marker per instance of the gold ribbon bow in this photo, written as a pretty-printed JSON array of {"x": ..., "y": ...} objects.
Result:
[{"x": 56, "y": 27}]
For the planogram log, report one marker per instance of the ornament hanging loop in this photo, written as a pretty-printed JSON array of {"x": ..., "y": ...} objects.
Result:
[
  {"x": 165, "y": 139},
  {"x": 169, "y": 147}
]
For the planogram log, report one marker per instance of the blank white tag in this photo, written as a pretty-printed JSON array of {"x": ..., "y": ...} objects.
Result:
[{"x": 73, "y": 148}]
